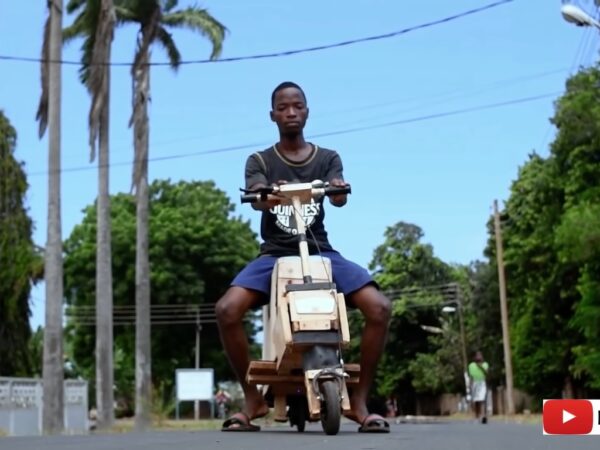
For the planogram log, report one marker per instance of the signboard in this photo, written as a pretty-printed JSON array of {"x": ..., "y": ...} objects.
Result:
[{"x": 194, "y": 384}]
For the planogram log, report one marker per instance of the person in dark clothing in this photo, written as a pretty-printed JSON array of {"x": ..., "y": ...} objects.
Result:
[{"x": 292, "y": 159}]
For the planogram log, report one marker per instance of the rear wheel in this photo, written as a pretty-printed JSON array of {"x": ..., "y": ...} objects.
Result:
[
  {"x": 330, "y": 407},
  {"x": 298, "y": 412},
  {"x": 301, "y": 421}
]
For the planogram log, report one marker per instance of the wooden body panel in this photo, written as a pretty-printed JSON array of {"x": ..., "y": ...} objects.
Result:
[
  {"x": 277, "y": 327},
  {"x": 280, "y": 369}
]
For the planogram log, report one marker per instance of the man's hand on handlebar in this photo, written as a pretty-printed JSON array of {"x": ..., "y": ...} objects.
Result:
[
  {"x": 341, "y": 199},
  {"x": 267, "y": 204},
  {"x": 264, "y": 197}
]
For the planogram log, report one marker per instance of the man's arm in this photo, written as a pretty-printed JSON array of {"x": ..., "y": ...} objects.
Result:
[
  {"x": 336, "y": 178},
  {"x": 338, "y": 200},
  {"x": 256, "y": 177}
]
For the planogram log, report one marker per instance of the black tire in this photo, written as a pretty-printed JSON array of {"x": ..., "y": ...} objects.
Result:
[
  {"x": 330, "y": 407},
  {"x": 301, "y": 420},
  {"x": 298, "y": 413}
]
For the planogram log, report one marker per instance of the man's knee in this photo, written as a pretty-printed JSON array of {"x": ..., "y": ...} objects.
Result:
[
  {"x": 375, "y": 306},
  {"x": 230, "y": 309},
  {"x": 382, "y": 309}
]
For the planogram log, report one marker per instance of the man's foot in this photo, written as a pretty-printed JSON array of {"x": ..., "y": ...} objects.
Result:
[
  {"x": 239, "y": 422},
  {"x": 255, "y": 406},
  {"x": 484, "y": 420},
  {"x": 374, "y": 423},
  {"x": 358, "y": 410}
]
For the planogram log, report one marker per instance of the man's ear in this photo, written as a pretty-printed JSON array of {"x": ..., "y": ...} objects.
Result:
[
  {"x": 307, "y": 112},
  {"x": 272, "y": 116}
]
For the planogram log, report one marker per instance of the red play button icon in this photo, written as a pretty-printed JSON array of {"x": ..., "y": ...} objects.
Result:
[{"x": 568, "y": 417}]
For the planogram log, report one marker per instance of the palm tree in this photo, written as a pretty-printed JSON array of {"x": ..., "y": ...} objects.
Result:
[
  {"x": 95, "y": 23},
  {"x": 153, "y": 17},
  {"x": 49, "y": 115}
]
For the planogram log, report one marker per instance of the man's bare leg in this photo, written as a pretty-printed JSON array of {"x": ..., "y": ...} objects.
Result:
[
  {"x": 230, "y": 311},
  {"x": 376, "y": 309}
]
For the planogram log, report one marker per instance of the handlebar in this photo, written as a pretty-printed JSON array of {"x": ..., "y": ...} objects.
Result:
[{"x": 286, "y": 191}]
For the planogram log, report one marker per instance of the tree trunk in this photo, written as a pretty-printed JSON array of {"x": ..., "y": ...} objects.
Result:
[
  {"x": 99, "y": 85},
  {"x": 143, "y": 373},
  {"x": 104, "y": 291},
  {"x": 53, "y": 372}
]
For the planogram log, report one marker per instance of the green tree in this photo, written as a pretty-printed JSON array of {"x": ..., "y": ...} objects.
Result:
[
  {"x": 36, "y": 352},
  {"x": 576, "y": 156},
  {"x": 540, "y": 289},
  {"x": 154, "y": 18},
  {"x": 409, "y": 272},
  {"x": 95, "y": 23},
  {"x": 197, "y": 246},
  {"x": 483, "y": 322},
  {"x": 21, "y": 264},
  {"x": 551, "y": 235}
]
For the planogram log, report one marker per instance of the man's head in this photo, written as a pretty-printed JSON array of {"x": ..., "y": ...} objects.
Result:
[
  {"x": 288, "y": 108},
  {"x": 478, "y": 356}
]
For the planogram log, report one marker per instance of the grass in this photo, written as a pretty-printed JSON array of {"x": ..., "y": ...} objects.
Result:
[
  {"x": 128, "y": 425},
  {"x": 526, "y": 419}
]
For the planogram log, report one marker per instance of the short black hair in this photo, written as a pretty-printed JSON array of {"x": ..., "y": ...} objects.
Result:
[{"x": 285, "y": 85}]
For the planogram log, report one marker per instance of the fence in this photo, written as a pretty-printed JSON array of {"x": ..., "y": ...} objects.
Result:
[{"x": 21, "y": 406}]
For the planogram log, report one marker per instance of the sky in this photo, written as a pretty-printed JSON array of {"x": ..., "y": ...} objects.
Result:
[{"x": 432, "y": 125}]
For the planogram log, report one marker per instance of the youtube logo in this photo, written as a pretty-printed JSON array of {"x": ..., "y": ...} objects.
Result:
[{"x": 571, "y": 417}]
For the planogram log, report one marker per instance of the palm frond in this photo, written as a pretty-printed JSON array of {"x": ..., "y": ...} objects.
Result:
[
  {"x": 77, "y": 29},
  {"x": 125, "y": 15},
  {"x": 137, "y": 11},
  {"x": 42, "y": 112},
  {"x": 74, "y": 5},
  {"x": 167, "y": 42},
  {"x": 168, "y": 5},
  {"x": 150, "y": 23},
  {"x": 98, "y": 69},
  {"x": 201, "y": 21},
  {"x": 82, "y": 27}
]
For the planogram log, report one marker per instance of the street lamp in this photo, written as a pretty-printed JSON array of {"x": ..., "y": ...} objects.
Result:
[
  {"x": 448, "y": 308},
  {"x": 579, "y": 17}
]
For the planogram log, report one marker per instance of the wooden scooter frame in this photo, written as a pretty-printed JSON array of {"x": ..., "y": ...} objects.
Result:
[{"x": 304, "y": 309}]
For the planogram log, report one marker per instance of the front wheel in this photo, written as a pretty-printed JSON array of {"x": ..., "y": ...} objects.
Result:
[{"x": 330, "y": 407}]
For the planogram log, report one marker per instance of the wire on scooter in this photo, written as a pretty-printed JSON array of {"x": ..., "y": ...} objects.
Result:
[{"x": 329, "y": 275}]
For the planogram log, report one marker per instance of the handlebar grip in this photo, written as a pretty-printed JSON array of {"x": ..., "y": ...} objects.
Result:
[
  {"x": 250, "y": 198},
  {"x": 334, "y": 190}
]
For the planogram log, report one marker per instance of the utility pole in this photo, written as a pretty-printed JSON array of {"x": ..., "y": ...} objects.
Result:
[
  {"x": 457, "y": 300},
  {"x": 462, "y": 337},
  {"x": 197, "y": 365},
  {"x": 510, "y": 407}
]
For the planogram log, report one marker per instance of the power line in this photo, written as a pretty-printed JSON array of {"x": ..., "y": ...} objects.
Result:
[
  {"x": 287, "y": 52},
  {"x": 124, "y": 315},
  {"x": 325, "y": 134},
  {"x": 439, "y": 115},
  {"x": 439, "y": 97}
]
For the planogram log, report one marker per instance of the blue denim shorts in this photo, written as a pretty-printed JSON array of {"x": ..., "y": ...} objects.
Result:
[{"x": 347, "y": 276}]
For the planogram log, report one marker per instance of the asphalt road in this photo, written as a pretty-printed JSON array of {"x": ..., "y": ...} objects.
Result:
[{"x": 435, "y": 436}]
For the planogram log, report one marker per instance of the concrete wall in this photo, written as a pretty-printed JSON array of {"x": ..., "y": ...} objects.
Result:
[{"x": 21, "y": 406}]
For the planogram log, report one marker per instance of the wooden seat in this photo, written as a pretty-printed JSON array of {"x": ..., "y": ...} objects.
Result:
[{"x": 265, "y": 372}]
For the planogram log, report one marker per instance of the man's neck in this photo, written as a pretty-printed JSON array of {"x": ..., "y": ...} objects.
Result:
[{"x": 291, "y": 145}]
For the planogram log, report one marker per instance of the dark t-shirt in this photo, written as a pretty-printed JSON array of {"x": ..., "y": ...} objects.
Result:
[{"x": 278, "y": 226}]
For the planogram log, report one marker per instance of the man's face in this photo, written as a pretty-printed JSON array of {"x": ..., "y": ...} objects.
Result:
[{"x": 289, "y": 111}]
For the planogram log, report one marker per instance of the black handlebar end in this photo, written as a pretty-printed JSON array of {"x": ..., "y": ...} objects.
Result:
[
  {"x": 335, "y": 190},
  {"x": 250, "y": 198}
]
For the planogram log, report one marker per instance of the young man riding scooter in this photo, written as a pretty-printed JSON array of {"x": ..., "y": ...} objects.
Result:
[{"x": 292, "y": 159}]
